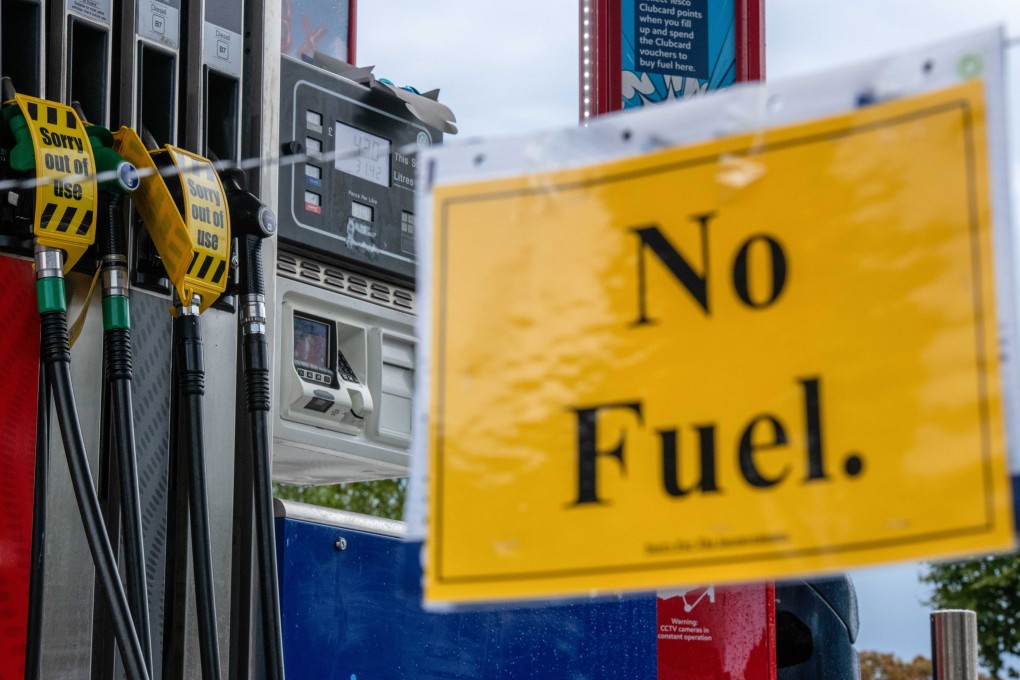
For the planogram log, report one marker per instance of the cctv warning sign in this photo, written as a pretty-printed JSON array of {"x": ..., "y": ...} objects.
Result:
[
  {"x": 716, "y": 632},
  {"x": 756, "y": 357}
]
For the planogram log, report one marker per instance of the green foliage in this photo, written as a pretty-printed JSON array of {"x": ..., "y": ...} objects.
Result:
[
  {"x": 989, "y": 586},
  {"x": 882, "y": 666},
  {"x": 381, "y": 498}
]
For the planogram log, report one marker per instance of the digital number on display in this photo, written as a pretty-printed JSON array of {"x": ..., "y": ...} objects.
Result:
[{"x": 362, "y": 154}]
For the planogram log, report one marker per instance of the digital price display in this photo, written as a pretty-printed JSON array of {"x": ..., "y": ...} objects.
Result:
[
  {"x": 362, "y": 154},
  {"x": 362, "y": 211}
]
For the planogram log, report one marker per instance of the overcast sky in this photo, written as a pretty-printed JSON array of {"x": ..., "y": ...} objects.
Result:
[{"x": 510, "y": 67}]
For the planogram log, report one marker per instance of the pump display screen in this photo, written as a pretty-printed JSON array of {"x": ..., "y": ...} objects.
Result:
[
  {"x": 311, "y": 342},
  {"x": 362, "y": 154},
  {"x": 361, "y": 169}
]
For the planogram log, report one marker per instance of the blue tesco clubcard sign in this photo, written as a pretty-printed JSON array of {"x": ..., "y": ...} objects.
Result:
[{"x": 676, "y": 49}]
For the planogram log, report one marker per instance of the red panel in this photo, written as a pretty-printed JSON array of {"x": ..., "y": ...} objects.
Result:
[
  {"x": 580, "y": 61},
  {"x": 19, "y": 354},
  {"x": 718, "y": 633},
  {"x": 607, "y": 56},
  {"x": 352, "y": 33},
  {"x": 750, "y": 19},
  {"x": 604, "y": 52}
]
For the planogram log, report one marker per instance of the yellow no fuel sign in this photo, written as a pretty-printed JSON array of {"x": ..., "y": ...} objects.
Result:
[{"x": 756, "y": 357}]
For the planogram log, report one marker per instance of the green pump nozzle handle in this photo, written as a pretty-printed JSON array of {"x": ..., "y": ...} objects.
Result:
[{"x": 115, "y": 175}]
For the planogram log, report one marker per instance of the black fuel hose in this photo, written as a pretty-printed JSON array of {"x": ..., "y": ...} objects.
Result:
[
  {"x": 57, "y": 357},
  {"x": 255, "y": 363},
  {"x": 253, "y": 222},
  {"x": 190, "y": 362},
  {"x": 117, "y": 357}
]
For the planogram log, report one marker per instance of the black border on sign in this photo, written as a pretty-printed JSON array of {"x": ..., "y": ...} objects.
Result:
[{"x": 964, "y": 108}]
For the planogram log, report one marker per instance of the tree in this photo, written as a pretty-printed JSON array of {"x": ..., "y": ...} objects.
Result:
[
  {"x": 989, "y": 586},
  {"x": 881, "y": 666},
  {"x": 381, "y": 498}
]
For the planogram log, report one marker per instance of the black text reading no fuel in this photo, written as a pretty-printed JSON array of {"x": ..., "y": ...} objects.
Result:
[{"x": 762, "y": 432}]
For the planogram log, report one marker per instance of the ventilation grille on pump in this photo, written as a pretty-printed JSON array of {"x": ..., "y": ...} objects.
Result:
[{"x": 342, "y": 281}]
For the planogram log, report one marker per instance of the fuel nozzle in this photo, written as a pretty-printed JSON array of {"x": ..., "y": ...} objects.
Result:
[
  {"x": 115, "y": 174},
  {"x": 22, "y": 154},
  {"x": 252, "y": 221},
  {"x": 253, "y": 217},
  {"x": 115, "y": 177}
]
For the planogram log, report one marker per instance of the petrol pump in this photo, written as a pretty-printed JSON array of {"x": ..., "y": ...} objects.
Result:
[
  {"x": 123, "y": 64},
  {"x": 345, "y": 303}
]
